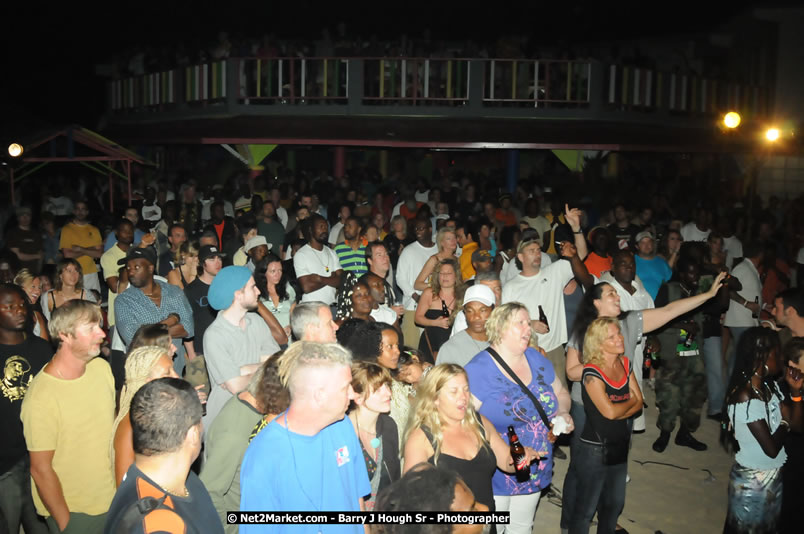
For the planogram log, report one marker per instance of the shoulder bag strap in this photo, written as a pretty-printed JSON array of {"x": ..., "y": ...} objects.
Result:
[{"x": 528, "y": 392}]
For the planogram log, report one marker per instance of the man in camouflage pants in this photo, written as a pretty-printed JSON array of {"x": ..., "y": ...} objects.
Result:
[{"x": 681, "y": 378}]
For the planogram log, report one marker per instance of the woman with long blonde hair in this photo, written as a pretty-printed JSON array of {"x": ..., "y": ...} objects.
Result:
[
  {"x": 32, "y": 286},
  {"x": 143, "y": 364},
  {"x": 437, "y": 306},
  {"x": 445, "y": 430}
]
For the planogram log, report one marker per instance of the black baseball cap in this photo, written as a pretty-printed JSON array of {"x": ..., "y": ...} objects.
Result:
[
  {"x": 209, "y": 251},
  {"x": 137, "y": 253}
]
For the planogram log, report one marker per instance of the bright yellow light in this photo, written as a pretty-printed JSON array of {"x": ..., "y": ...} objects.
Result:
[
  {"x": 772, "y": 134},
  {"x": 15, "y": 150},
  {"x": 731, "y": 119}
]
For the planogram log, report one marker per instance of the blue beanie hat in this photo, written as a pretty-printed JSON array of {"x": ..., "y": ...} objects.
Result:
[{"x": 224, "y": 285}]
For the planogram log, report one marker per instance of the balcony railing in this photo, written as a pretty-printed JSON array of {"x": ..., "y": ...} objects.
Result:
[{"x": 373, "y": 82}]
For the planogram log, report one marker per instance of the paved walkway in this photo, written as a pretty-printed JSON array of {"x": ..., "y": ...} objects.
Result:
[{"x": 691, "y": 499}]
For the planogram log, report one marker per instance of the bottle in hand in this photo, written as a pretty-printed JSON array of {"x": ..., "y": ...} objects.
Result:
[
  {"x": 543, "y": 318},
  {"x": 444, "y": 309},
  {"x": 518, "y": 454}
]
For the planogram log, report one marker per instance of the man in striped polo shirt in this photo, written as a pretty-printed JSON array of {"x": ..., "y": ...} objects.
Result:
[{"x": 352, "y": 253}]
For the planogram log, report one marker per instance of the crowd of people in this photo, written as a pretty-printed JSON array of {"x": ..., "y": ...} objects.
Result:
[{"x": 261, "y": 349}]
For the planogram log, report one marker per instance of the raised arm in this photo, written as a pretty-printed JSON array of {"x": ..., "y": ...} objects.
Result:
[
  {"x": 656, "y": 318},
  {"x": 573, "y": 217}
]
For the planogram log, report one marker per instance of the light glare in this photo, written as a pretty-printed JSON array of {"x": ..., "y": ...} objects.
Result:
[
  {"x": 772, "y": 134},
  {"x": 15, "y": 150},
  {"x": 732, "y": 119}
]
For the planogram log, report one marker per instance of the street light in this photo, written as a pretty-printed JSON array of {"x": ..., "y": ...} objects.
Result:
[
  {"x": 731, "y": 119},
  {"x": 772, "y": 134},
  {"x": 15, "y": 150}
]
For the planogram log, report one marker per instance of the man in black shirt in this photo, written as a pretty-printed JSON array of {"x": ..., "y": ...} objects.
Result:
[
  {"x": 22, "y": 355},
  {"x": 622, "y": 230},
  {"x": 210, "y": 262},
  {"x": 166, "y": 430}
]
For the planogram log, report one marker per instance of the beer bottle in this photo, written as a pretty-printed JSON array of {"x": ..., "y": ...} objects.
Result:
[
  {"x": 518, "y": 454},
  {"x": 444, "y": 309},
  {"x": 543, "y": 317},
  {"x": 755, "y": 314}
]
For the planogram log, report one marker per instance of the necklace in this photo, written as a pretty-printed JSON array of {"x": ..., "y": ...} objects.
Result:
[
  {"x": 374, "y": 442},
  {"x": 184, "y": 492},
  {"x": 324, "y": 264}
]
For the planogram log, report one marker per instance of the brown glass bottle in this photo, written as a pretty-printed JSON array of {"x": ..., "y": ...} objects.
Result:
[
  {"x": 518, "y": 454},
  {"x": 543, "y": 318}
]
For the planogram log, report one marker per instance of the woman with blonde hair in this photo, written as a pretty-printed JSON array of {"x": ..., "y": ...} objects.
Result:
[
  {"x": 611, "y": 398},
  {"x": 187, "y": 261},
  {"x": 515, "y": 385},
  {"x": 143, "y": 364},
  {"x": 69, "y": 285},
  {"x": 447, "y": 244},
  {"x": 32, "y": 286},
  {"x": 437, "y": 305},
  {"x": 445, "y": 430}
]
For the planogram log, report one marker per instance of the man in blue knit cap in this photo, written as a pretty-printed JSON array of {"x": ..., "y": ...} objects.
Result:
[{"x": 237, "y": 341}]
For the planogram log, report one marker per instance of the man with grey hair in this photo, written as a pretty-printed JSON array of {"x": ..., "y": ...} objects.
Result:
[
  {"x": 312, "y": 321},
  {"x": 321, "y": 465}
]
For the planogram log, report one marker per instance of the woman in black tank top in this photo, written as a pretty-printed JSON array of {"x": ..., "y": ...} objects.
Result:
[
  {"x": 611, "y": 398},
  {"x": 446, "y": 431}
]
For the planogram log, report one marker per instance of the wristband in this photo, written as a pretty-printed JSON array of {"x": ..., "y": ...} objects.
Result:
[
  {"x": 578, "y": 232},
  {"x": 796, "y": 399},
  {"x": 785, "y": 423}
]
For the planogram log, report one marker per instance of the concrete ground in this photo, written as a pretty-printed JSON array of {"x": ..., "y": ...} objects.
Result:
[{"x": 688, "y": 496}]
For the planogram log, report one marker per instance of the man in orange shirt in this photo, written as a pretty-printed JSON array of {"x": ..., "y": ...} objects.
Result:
[
  {"x": 598, "y": 261},
  {"x": 82, "y": 242},
  {"x": 504, "y": 214}
]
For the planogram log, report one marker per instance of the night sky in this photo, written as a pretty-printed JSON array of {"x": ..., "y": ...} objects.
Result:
[{"x": 50, "y": 51}]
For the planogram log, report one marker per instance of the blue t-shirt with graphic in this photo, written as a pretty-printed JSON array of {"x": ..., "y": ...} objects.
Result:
[
  {"x": 283, "y": 471},
  {"x": 504, "y": 404}
]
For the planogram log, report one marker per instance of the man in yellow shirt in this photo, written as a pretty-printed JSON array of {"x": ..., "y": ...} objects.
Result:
[
  {"x": 82, "y": 242},
  {"x": 67, "y": 418},
  {"x": 466, "y": 234}
]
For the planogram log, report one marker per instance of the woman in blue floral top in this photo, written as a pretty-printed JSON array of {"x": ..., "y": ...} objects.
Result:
[{"x": 498, "y": 397}]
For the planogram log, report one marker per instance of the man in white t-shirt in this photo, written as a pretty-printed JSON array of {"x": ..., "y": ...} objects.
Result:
[
  {"x": 744, "y": 307},
  {"x": 317, "y": 267},
  {"x": 536, "y": 287},
  {"x": 732, "y": 245},
  {"x": 410, "y": 264},
  {"x": 697, "y": 230}
]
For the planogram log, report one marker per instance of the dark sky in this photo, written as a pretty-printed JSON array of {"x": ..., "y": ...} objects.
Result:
[{"x": 50, "y": 50}]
